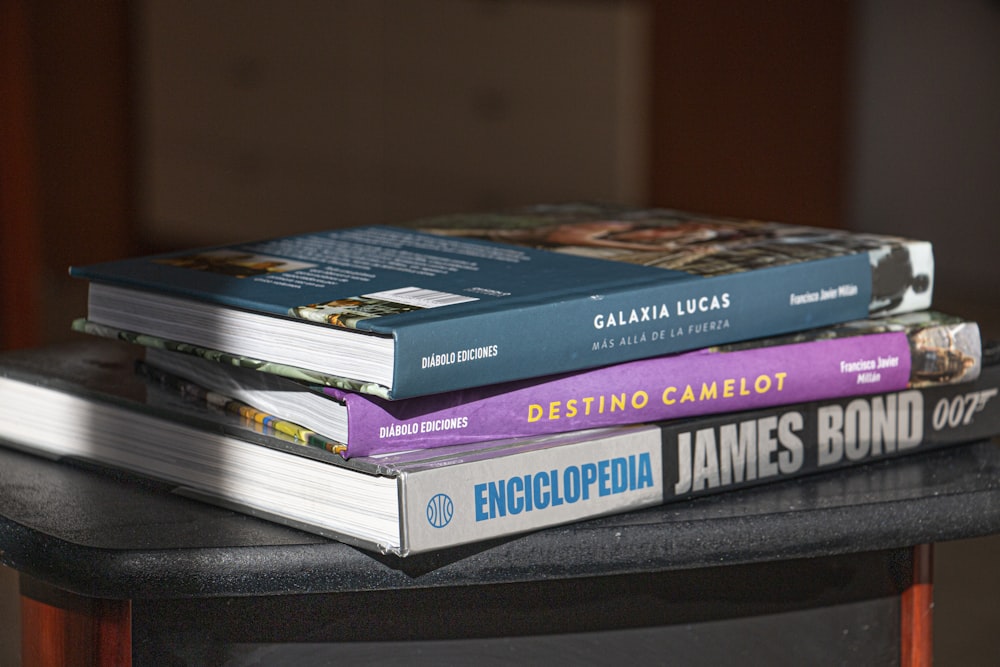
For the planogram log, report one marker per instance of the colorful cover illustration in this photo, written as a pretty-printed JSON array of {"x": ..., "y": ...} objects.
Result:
[
  {"x": 861, "y": 357},
  {"x": 465, "y": 301},
  {"x": 698, "y": 244}
]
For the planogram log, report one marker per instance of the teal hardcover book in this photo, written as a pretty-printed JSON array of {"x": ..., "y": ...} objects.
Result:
[{"x": 463, "y": 301}]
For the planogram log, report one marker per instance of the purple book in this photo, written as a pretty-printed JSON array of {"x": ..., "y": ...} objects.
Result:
[{"x": 862, "y": 357}]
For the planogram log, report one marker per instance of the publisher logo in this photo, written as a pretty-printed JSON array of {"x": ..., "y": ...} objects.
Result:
[{"x": 440, "y": 509}]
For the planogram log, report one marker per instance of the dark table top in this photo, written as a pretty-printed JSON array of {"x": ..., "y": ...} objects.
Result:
[{"x": 102, "y": 534}]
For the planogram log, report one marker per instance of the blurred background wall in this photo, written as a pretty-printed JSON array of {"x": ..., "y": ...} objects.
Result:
[
  {"x": 155, "y": 124},
  {"x": 161, "y": 123}
]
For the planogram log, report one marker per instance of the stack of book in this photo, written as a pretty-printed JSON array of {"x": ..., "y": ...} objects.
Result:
[{"x": 415, "y": 387}]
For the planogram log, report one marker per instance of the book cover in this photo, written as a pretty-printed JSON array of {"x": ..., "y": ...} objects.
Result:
[
  {"x": 464, "y": 301},
  {"x": 861, "y": 357},
  {"x": 84, "y": 402}
]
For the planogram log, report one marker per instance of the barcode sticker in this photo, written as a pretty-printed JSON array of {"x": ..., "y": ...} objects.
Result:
[{"x": 418, "y": 296}]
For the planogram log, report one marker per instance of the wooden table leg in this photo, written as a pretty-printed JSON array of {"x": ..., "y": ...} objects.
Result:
[
  {"x": 916, "y": 613},
  {"x": 60, "y": 628}
]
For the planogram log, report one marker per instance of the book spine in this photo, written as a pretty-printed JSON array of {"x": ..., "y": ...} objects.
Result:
[
  {"x": 726, "y": 451},
  {"x": 630, "y": 468},
  {"x": 670, "y": 387},
  {"x": 664, "y": 317}
]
